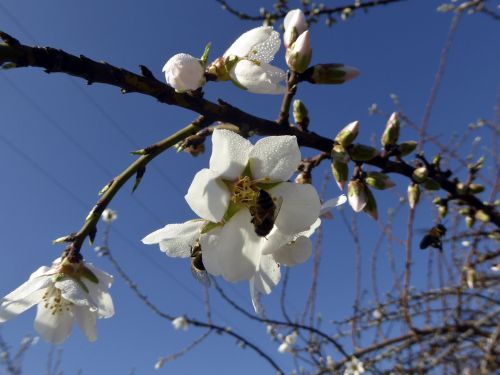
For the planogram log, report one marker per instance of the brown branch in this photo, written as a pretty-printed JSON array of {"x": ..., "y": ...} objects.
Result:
[
  {"x": 53, "y": 60},
  {"x": 318, "y": 12}
]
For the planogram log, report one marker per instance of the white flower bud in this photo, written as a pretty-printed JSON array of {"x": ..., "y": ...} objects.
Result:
[
  {"x": 180, "y": 323},
  {"x": 298, "y": 55},
  {"x": 356, "y": 195},
  {"x": 295, "y": 24},
  {"x": 184, "y": 72}
]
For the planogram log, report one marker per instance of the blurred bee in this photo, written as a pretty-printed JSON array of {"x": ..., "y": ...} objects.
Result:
[
  {"x": 264, "y": 212},
  {"x": 434, "y": 237},
  {"x": 197, "y": 267}
]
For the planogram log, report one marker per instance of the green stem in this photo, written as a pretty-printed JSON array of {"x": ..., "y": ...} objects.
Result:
[{"x": 115, "y": 185}]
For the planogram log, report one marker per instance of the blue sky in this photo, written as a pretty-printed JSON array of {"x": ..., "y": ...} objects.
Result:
[{"x": 61, "y": 141}]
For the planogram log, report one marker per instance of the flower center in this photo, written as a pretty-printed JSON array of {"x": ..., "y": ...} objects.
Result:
[
  {"x": 54, "y": 301},
  {"x": 244, "y": 191}
]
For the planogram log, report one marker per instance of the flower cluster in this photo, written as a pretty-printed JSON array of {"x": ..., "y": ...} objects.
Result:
[
  {"x": 251, "y": 218},
  {"x": 63, "y": 293}
]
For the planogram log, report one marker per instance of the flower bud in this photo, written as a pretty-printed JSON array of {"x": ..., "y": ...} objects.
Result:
[
  {"x": 470, "y": 277},
  {"x": 339, "y": 154},
  {"x": 371, "y": 204},
  {"x": 430, "y": 184},
  {"x": 406, "y": 148},
  {"x": 420, "y": 174},
  {"x": 295, "y": 24},
  {"x": 361, "y": 152},
  {"x": 379, "y": 180},
  {"x": 330, "y": 74},
  {"x": 469, "y": 221},
  {"x": 391, "y": 132},
  {"x": 184, "y": 72},
  {"x": 442, "y": 210},
  {"x": 356, "y": 195},
  {"x": 298, "y": 55},
  {"x": 300, "y": 112},
  {"x": 347, "y": 135},
  {"x": 482, "y": 216},
  {"x": 340, "y": 172},
  {"x": 436, "y": 161},
  {"x": 413, "y": 195},
  {"x": 476, "y": 188},
  {"x": 461, "y": 188}
]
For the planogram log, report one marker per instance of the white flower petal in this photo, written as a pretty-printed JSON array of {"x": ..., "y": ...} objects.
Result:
[
  {"x": 54, "y": 328},
  {"x": 87, "y": 321},
  {"x": 332, "y": 203},
  {"x": 310, "y": 231},
  {"x": 258, "y": 44},
  {"x": 300, "y": 207},
  {"x": 207, "y": 196},
  {"x": 210, "y": 251},
  {"x": 255, "y": 296},
  {"x": 276, "y": 239},
  {"x": 293, "y": 19},
  {"x": 268, "y": 275},
  {"x": 259, "y": 78},
  {"x": 295, "y": 253},
  {"x": 176, "y": 240},
  {"x": 237, "y": 248},
  {"x": 99, "y": 293},
  {"x": 73, "y": 292},
  {"x": 276, "y": 158},
  {"x": 229, "y": 154},
  {"x": 12, "y": 307}
]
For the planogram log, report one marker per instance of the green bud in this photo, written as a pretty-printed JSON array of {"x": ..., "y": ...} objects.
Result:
[
  {"x": 476, "y": 188},
  {"x": 300, "y": 112},
  {"x": 356, "y": 195},
  {"x": 406, "y": 148},
  {"x": 464, "y": 211},
  {"x": 60, "y": 240},
  {"x": 420, "y": 174},
  {"x": 469, "y": 221},
  {"x": 379, "y": 180},
  {"x": 443, "y": 211},
  {"x": 391, "y": 132},
  {"x": 461, "y": 188},
  {"x": 436, "y": 161},
  {"x": 430, "y": 184},
  {"x": 347, "y": 135},
  {"x": 340, "y": 172},
  {"x": 413, "y": 195},
  {"x": 482, "y": 216},
  {"x": 339, "y": 154},
  {"x": 371, "y": 204},
  {"x": 361, "y": 152},
  {"x": 330, "y": 74}
]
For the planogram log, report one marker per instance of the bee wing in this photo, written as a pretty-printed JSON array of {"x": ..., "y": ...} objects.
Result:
[
  {"x": 201, "y": 276},
  {"x": 278, "y": 202}
]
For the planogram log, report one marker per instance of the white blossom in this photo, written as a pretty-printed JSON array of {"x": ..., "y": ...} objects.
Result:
[
  {"x": 354, "y": 367},
  {"x": 224, "y": 195},
  {"x": 180, "y": 323},
  {"x": 63, "y": 293},
  {"x": 184, "y": 72},
  {"x": 248, "y": 61}
]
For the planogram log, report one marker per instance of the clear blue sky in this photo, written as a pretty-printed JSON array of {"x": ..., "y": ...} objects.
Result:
[{"x": 61, "y": 141}]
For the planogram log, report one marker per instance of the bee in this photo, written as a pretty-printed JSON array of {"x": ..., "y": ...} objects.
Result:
[
  {"x": 433, "y": 238},
  {"x": 197, "y": 267},
  {"x": 264, "y": 212}
]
